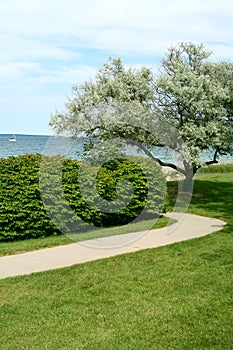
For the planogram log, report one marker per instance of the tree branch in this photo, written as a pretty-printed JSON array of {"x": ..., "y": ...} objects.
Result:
[
  {"x": 159, "y": 161},
  {"x": 214, "y": 160}
]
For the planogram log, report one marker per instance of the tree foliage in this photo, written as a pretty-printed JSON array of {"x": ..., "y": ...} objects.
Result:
[
  {"x": 113, "y": 84},
  {"x": 192, "y": 95},
  {"x": 196, "y": 97}
]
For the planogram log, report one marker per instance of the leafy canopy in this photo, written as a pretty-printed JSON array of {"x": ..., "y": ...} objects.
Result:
[
  {"x": 190, "y": 103},
  {"x": 196, "y": 97}
]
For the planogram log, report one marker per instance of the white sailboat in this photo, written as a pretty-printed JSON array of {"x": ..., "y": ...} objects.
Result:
[{"x": 12, "y": 139}]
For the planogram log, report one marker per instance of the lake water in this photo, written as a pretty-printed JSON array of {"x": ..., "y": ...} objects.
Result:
[
  {"x": 55, "y": 145},
  {"x": 30, "y": 144}
]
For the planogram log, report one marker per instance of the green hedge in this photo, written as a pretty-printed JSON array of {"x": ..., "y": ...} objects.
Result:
[
  {"x": 217, "y": 168},
  {"x": 23, "y": 213}
]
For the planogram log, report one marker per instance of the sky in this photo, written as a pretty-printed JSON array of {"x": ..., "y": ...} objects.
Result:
[{"x": 49, "y": 45}]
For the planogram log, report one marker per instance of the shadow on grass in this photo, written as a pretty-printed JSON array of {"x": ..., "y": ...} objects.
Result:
[{"x": 213, "y": 197}]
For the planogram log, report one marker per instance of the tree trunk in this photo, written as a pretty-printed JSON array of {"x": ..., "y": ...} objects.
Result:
[{"x": 187, "y": 185}]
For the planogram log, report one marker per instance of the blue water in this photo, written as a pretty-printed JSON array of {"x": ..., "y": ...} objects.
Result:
[
  {"x": 50, "y": 145},
  {"x": 27, "y": 144},
  {"x": 43, "y": 144},
  {"x": 24, "y": 144}
]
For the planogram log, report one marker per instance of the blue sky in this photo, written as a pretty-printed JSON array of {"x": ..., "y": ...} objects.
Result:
[{"x": 49, "y": 45}]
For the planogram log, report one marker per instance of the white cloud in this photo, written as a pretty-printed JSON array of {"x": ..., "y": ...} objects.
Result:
[
  {"x": 9, "y": 72},
  {"x": 15, "y": 46},
  {"x": 64, "y": 74},
  {"x": 116, "y": 25},
  {"x": 25, "y": 77},
  {"x": 43, "y": 42}
]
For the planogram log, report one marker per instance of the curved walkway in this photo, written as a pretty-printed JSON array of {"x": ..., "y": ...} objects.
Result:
[{"x": 188, "y": 227}]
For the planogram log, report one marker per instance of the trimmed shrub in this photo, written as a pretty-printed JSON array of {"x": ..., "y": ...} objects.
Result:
[
  {"x": 133, "y": 184},
  {"x": 22, "y": 213},
  {"x": 217, "y": 168},
  {"x": 113, "y": 195}
]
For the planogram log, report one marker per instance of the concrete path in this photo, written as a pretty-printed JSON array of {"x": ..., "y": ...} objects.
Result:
[{"x": 188, "y": 227}]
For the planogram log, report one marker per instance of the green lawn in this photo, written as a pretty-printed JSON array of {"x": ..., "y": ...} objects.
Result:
[{"x": 174, "y": 297}]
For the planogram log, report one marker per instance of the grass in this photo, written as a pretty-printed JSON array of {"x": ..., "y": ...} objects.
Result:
[
  {"x": 9, "y": 248},
  {"x": 172, "y": 297}
]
